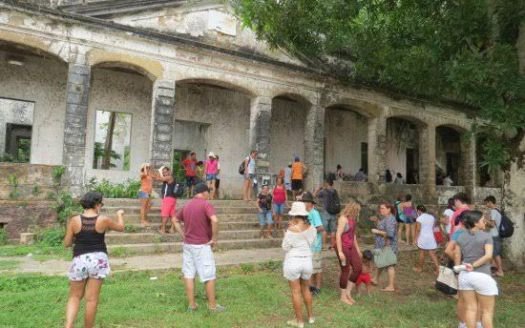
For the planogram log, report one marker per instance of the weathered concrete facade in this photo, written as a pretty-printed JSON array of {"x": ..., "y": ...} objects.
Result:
[{"x": 237, "y": 90}]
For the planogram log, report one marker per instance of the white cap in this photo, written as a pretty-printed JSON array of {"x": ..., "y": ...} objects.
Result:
[{"x": 211, "y": 154}]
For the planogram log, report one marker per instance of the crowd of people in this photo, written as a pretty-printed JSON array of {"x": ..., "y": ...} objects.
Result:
[{"x": 317, "y": 222}]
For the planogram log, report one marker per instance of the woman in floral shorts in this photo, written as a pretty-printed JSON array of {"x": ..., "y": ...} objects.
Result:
[{"x": 90, "y": 263}]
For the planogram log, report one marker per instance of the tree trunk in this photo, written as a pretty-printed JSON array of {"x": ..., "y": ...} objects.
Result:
[
  {"x": 514, "y": 204},
  {"x": 108, "y": 145}
]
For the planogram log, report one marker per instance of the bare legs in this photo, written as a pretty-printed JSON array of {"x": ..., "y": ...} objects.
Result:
[
  {"x": 210, "y": 293},
  {"x": 421, "y": 260},
  {"x": 211, "y": 186},
  {"x": 246, "y": 189},
  {"x": 499, "y": 266},
  {"x": 300, "y": 288},
  {"x": 145, "y": 204},
  {"x": 77, "y": 290},
  {"x": 266, "y": 233},
  {"x": 391, "y": 270},
  {"x": 475, "y": 303}
]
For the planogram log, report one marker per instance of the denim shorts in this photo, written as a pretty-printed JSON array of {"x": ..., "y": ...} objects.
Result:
[
  {"x": 190, "y": 181},
  {"x": 329, "y": 221},
  {"x": 143, "y": 195},
  {"x": 278, "y": 209},
  {"x": 210, "y": 177},
  {"x": 265, "y": 217}
]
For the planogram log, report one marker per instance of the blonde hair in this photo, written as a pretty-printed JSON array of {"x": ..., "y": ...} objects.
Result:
[{"x": 352, "y": 210}]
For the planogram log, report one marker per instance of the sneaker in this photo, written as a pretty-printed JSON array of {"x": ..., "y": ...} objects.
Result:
[
  {"x": 192, "y": 309},
  {"x": 462, "y": 325},
  {"x": 479, "y": 325},
  {"x": 316, "y": 291},
  {"x": 295, "y": 323},
  {"x": 312, "y": 289},
  {"x": 218, "y": 309},
  {"x": 311, "y": 320}
]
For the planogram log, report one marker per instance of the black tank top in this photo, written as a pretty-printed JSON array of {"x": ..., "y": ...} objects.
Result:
[
  {"x": 168, "y": 189},
  {"x": 88, "y": 240}
]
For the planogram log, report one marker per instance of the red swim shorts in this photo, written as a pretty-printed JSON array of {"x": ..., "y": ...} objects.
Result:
[
  {"x": 167, "y": 208},
  {"x": 363, "y": 278}
]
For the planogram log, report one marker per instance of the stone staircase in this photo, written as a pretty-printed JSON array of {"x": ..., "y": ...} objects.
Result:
[{"x": 238, "y": 228}]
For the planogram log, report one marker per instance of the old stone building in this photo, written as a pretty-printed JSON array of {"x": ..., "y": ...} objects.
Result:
[{"x": 151, "y": 79}]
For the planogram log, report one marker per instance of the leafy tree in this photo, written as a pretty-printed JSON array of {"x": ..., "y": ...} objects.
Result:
[{"x": 447, "y": 51}]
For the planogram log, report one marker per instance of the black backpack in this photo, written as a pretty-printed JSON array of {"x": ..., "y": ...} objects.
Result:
[
  {"x": 506, "y": 227},
  {"x": 333, "y": 204},
  {"x": 242, "y": 166}
]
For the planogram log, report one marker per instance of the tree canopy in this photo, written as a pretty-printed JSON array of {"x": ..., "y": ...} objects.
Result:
[{"x": 460, "y": 50}]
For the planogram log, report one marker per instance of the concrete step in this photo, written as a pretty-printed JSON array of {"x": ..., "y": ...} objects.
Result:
[
  {"x": 154, "y": 237},
  {"x": 134, "y": 209},
  {"x": 176, "y": 247},
  {"x": 229, "y": 225},
  {"x": 155, "y": 217},
  {"x": 116, "y": 202}
]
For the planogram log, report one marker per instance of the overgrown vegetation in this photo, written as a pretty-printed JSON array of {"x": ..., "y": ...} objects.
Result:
[
  {"x": 13, "y": 182},
  {"x": 459, "y": 51},
  {"x": 127, "y": 189},
  {"x": 50, "y": 237},
  {"x": 3, "y": 236},
  {"x": 66, "y": 206}
]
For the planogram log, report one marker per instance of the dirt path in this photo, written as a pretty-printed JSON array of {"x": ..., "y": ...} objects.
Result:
[{"x": 27, "y": 264}]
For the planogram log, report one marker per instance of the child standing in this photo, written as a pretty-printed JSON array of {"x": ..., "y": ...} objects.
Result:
[
  {"x": 264, "y": 205},
  {"x": 365, "y": 277},
  {"x": 279, "y": 200}
]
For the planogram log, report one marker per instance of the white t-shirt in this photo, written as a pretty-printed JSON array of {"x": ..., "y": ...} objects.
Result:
[
  {"x": 251, "y": 165},
  {"x": 496, "y": 216},
  {"x": 426, "y": 238},
  {"x": 448, "y": 213},
  {"x": 288, "y": 175}
]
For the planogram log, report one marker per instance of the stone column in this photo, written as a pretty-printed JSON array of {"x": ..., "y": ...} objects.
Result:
[
  {"x": 162, "y": 119},
  {"x": 260, "y": 121},
  {"x": 314, "y": 146},
  {"x": 376, "y": 149},
  {"x": 74, "y": 152},
  {"x": 470, "y": 168},
  {"x": 427, "y": 160}
]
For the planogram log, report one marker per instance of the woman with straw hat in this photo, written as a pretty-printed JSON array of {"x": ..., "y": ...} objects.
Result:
[{"x": 297, "y": 266}]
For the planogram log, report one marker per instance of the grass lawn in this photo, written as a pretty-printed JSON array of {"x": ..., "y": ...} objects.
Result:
[{"x": 255, "y": 296}]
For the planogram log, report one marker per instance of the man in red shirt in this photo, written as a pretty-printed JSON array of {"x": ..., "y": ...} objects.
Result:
[
  {"x": 201, "y": 229},
  {"x": 189, "y": 164},
  {"x": 461, "y": 204}
]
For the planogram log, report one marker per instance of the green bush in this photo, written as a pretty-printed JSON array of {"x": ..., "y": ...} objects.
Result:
[
  {"x": 51, "y": 237},
  {"x": 66, "y": 207},
  {"x": 127, "y": 189},
  {"x": 3, "y": 236}
]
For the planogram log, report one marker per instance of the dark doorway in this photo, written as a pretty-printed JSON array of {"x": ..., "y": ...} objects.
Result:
[
  {"x": 18, "y": 142},
  {"x": 453, "y": 167},
  {"x": 364, "y": 157},
  {"x": 412, "y": 176}
]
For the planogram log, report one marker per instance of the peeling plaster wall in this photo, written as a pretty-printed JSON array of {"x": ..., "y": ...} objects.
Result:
[
  {"x": 211, "y": 23},
  {"x": 287, "y": 133},
  {"x": 42, "y": 81},
  {"x": 396, "y": 152},
  {"x": 228, "y": 114},
  {"x": 345, "y": 131},
  {"x": 120, "y": 92}
]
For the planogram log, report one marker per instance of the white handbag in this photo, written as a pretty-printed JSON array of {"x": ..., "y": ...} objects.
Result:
[{"x": 447, "y": 282}]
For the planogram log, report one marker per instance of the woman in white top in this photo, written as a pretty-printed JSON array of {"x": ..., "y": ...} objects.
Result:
[
  {"x": 297, "y": 266},
  {"x": 426, "y": 242},
  {"x": 447, "y": 214}
]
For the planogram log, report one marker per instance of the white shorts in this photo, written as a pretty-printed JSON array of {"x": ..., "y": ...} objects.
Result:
[
  {"x": 298, "y": 267},
  {"x": 198, "y": 259},
  {"x": 479, "y": 282},
  {"x": 90, "y": 265}
]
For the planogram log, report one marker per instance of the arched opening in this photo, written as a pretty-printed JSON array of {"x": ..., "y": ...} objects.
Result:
[
  {"x": 402, "y": 149},
  {"x": 119, "y": 119},
  {"x": 32, "y": 104},
  {"x": 450, "y": 155},
  {"x": 287, "y": 130},
  {"x": 213, "y": 116},
  {"x": 346, "y": 141}
]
